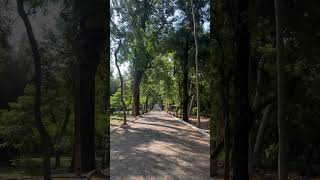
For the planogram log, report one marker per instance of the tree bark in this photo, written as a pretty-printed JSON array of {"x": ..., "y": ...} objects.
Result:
[
  {"x": 258, "y": 86},
  {"x": 196, "y": 59},
  {"x": 58, "y": 157},
  {"x": 185, "y": 81},
  {"x": 260, "y": 134},
  {"x": 136, "y": 92},
  {"x": 146, "y": 105},
  {"x": 190, "y": 105},
  {"x": 214, "y": 153},
  {"x": 105, "y": 163},
  {"x": 225, "y": 106},
  {"x": 106, "y": 57},
  {"x": 259, "y": 75},
  {"x": 84, "y": 157},
  {"x": 124, "y": 106},
  {"x": 60, "y": 134},
  {"x": 282, "y": 96},
  {"x": 89, "y": 45},
  {"x": 44, "y": 135},
  {"x": 243, "y": 119},
  {"x": 213, "y": 160}
]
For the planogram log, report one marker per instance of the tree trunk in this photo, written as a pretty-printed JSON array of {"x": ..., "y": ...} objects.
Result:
[
  {"x": 282, "y": 97},
  {"x": 89, "y": 45},
  {"x": 124, "y": 106},
  {"x": 214, "y": 153},
  {"x": 260, "y": 134},
  {"x": 65, "y": 123},
  {"x": 243, "y": 119},
  {"x": 58, "y": 155},
  {"x": 258, "y": 84},
  {"x": 106, "y": 58},
  {"x": 128, "y": 107},
  {"x": 308, "y": 170},
  {"x": 136, "y": 93},
  {"x": 84, "y": 157},
  {"x": 225, "y": 106},
  {"x": 59, "y": 136},
  {"x": 196, "y": 60},
  {"x": 185, "y": 94},
  {"x": 213, "y": 160},
  {"x": 44, "y": 135},
  {"x": 258, "y": 87},
  {"x": 190, "y": 105},
  {"x": 146, "y": 105}
]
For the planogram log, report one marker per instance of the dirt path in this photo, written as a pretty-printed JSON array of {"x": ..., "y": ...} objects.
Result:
[{"x": 158, "y": 147}]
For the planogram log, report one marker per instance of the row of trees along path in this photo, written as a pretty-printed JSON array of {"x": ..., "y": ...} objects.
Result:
[{"x": 242, "y": 71}]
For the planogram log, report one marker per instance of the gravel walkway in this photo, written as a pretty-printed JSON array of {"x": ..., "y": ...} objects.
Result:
[{"x": 156, "y": 146}]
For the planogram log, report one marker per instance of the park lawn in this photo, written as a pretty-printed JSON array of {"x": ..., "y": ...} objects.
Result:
[
  {"x": 32, "y": 168},
  {"x": 117, "y": 119},
  {"x": 11, "y": 173}
]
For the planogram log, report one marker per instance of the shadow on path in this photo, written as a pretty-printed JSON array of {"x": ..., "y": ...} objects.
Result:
[{"x": 157, "y": 146}]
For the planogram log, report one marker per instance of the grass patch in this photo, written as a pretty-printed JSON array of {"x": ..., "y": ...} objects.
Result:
[
  {"x": 31, "y": 167},
  {"x": 117, "y": 118}
]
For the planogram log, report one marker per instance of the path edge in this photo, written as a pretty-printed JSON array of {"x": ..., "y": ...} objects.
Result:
[
  {"x": 115, "y": 129},
  {"x": 190, "y": 125}
]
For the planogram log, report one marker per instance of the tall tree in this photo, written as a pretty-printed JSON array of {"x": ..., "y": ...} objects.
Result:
[
  {"x": 195, "y": 35},
  {"x": 124, "y": 106},
  {"x": 45, "y": 138},
  {"x": 106, "y": 58},
  {"x": 259, "y": 138},
  {"x": 282, "y": 94},
  {"x": 213, "y": 162},
  {"x": 185, "y": 81},
  {"x": 145, "y": 21},
  {"x": 243, "y": 118},
  {"x": 138, "y": 70},
  {"x": 90, "y": 41},
  {"x": 222, "y": 51}
]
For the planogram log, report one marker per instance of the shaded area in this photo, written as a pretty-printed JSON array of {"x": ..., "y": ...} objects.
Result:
[{"x": 204, "y": 121}]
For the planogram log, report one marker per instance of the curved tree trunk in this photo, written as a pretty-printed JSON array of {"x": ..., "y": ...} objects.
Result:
[
  {"x": 263, "y": 125},
  {"x": 196, "y": 60},
  {"x": 185, "y": 82},
  {"x": 124, "y": 106},
  {"x": 282, "y": 96},
  {"x": 60, "y": 135},
  {"x": 44, "y": 135},
  {"x": 190, "y": 105},
  {"x": 258, "y": 87}
]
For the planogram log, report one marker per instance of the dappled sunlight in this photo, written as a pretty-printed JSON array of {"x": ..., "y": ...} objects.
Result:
[{"x": 157, "y": 145}]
